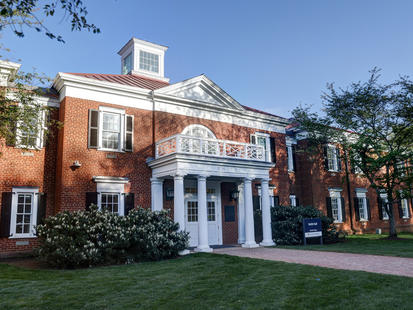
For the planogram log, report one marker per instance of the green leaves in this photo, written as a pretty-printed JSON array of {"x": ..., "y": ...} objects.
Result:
[{"x": 20, "y": 14}]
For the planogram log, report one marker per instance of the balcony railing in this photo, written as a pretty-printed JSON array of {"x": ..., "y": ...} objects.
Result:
[{"x": 181, "y": 144}]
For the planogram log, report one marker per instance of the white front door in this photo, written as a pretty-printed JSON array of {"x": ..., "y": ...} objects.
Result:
[{"x": 213, "y": 213}]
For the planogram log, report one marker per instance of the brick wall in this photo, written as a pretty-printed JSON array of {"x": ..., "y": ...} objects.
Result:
[{"x": 28, "y": 168}]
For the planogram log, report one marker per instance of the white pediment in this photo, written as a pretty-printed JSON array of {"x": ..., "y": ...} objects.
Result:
[{"x": 201, "y": 89}]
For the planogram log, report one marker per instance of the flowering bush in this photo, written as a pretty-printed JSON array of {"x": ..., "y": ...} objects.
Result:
[{"x": 93, "y": 237}]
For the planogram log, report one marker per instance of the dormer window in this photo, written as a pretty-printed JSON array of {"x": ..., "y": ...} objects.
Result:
[
  {"x": 148, "y": 61},
  {"x": 127, "y": 64}
]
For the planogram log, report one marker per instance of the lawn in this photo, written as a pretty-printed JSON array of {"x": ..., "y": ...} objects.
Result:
[
  {"x": 367, "y": 244},
  {"x": 202, "y": 281}
]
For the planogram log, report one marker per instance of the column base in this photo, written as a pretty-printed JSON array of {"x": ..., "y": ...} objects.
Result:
[
  {"x": 250, "y": 245},
  {"x": 204, "y": 249},
  {"x": 241, "y": 241},
  {"x": 184, "y": 252},
  {"x": 267, "y": 243}
]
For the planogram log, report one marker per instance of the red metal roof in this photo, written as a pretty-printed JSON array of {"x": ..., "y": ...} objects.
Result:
[
  {"x": 126, "y": 79},
  {"x": 259, "y": 111}
]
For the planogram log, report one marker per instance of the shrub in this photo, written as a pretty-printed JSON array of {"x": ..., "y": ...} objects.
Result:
[
  {"x": 93, "y": 237},
  {"x": 287, "y": 224}
]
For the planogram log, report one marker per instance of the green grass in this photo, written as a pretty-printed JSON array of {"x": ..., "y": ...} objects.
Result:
[
  {"x": 367, "y": 244},
  {"x": 202, "y": 281}
]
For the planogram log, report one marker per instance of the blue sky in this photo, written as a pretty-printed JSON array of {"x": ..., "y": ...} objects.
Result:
[{"x": 271, "y": 55}]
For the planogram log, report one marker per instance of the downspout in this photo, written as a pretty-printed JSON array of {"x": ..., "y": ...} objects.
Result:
[
  {"x": 153, "y": 123},
  {"x": 349, "y": 193}
]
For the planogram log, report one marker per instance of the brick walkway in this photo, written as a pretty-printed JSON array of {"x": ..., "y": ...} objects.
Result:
[{"x": 371, "y": 263}]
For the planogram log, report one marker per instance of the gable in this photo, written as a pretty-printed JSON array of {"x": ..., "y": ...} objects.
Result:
[{"x": 201, "y": 89}]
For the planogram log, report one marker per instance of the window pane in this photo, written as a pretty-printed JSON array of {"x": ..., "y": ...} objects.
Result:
[
  {"x": 148, "y": 61},
  {"x": 211, "y": 211}
]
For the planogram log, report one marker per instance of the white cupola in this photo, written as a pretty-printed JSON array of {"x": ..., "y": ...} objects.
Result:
[{"x": 143, "y": 58}]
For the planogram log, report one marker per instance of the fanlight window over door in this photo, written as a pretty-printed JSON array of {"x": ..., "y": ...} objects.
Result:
[{"x": 201, "y": 140}]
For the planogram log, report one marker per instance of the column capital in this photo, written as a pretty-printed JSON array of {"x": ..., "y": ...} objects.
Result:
[
  {"x": 202, "y": 176},
  {"x": 265, "y": 180},
  {"x": 247, "y": 180},
  {"x": 156, "y": 180},
  {"x": 178, "y": 176}
]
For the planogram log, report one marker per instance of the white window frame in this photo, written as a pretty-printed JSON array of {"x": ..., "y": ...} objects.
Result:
[
  {"x": 270, "y": 193},
  {"x": 112, "y": 188},
  {"x": 362, "y": 195},
  {"x": 333, "y": 149},
  {"x": 121, "y": 112},
  {"x": 260, "y": 135},
  {"x": 130, "y": 56},
  {"x": 293, "y": 200},
  {"x": 39, "y": 138},
  {"x": 383, "y": 197},
  {"x": 405, "y": 208},
  {"x": 290, "y": 161},
  {"x": 149, "y": 71},
  {"x": 336, "y": 194},
  {"x": 33, "y": 221}
]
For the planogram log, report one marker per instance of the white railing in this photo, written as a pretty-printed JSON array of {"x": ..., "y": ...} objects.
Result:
[{"x": 209, "y": 147}]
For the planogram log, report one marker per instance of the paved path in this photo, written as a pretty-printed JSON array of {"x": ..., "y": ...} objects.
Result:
[{"x": 399, "y": 266}]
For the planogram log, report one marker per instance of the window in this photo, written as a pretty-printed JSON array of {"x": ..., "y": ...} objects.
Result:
[
  {"x": 127, "y": 64},
  {"x": 110, "y": 129},
  {"x": 335, "y": 206},
  {"x": 263, "y": 139},
  {"x": 361, "y": 203},
  {"x": 290, "y": 158},
  {"x": 293, "y": 201},
  {"x": 24, "y": 212},
  {"x": 110, "y": 202},
  {"x": 192, "y": 211},
  {"x": 211, "y": 211},
  {"x": 384, "y": 202},
  {"x": 111, "y": 195},
  {"x": 31, "y": 135},
  {"x": 405, "y": 208},
  {"x": 401, "y": 167},
  {"x": 193, "y": 145},
  {"x": 148, "y": 61},
  {"x": 332, "y": 158}
]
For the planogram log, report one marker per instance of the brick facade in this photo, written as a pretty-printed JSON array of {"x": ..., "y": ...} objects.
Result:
[{"x": 51, "y": 168}]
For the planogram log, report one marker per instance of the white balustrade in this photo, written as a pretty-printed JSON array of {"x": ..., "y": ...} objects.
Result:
[{"x": 209, "y": 147}]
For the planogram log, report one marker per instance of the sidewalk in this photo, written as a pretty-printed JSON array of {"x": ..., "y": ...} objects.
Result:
[{"x": 399, "y": 266}]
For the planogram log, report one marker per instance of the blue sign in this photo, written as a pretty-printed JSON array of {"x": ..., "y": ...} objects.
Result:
[{"x": 312, "y": 228}]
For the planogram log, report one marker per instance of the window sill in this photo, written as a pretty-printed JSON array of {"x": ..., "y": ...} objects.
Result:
[
  {"x": 334, "y": 171},
  {"x": 338, "y": 222},
  {"x": 23, "y": 237},
  {"x": 363, "y": 220},
  {"x": 291, "y": 171},
  {"x": 110, "y": 150}
]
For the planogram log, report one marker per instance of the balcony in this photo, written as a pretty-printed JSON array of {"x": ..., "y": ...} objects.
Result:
[{"x": 183, "y": 144}]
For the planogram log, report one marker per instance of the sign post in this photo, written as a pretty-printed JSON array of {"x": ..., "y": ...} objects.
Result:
[{"x": 312, "y": 229}]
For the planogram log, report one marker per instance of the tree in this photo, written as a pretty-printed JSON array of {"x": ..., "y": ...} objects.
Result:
[
  {"x": 373, "y": 124},
  {"x": 22, "y": 117},
  {"x": 18, "y": 14}
]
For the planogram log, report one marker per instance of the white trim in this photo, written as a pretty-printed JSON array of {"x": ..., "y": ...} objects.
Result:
[
  {"x": 33, "y": 221},
  {"x": 104, "y": 187},
  {"x": 293, "y": 200},
  {"x": 335, "y": 193},
  {"x": 69, "y": 85}
]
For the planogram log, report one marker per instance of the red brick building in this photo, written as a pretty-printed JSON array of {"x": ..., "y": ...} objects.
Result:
[{"x": 134, "y": 139}]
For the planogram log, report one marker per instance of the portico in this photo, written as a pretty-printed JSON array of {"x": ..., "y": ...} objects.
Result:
[{"x": 196, "y": 193}]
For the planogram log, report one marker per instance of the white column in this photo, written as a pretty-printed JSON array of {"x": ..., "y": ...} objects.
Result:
[
  {"x": 266, "y": 215},
  {"x": 249, "y": 216},
  {"x": 179, "y": 205},
  {"x": 202, "y": 216},
  {"x": 241, "y": 214},
  {"x": 156, "y": 194}
]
